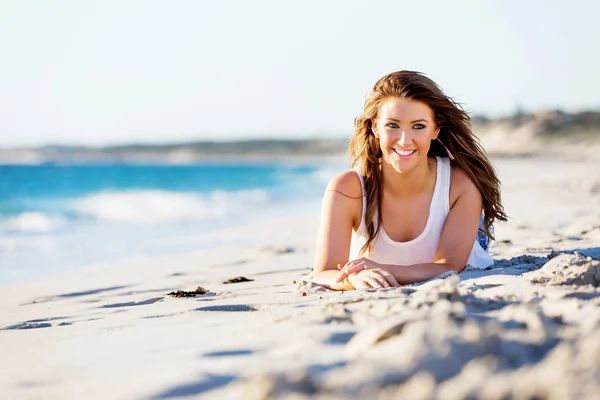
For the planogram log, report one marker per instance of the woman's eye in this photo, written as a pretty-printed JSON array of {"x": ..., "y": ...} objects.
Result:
[
  {"x": 419, "y": 126},
  {"x": 392, "y": 125}
]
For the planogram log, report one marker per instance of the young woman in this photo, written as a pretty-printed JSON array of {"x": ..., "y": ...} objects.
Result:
[{"x": 412, "y": 207}]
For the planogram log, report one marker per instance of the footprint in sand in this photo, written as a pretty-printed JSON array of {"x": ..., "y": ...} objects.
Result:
[
  {"x": 161, "y": 290},
  {"x": 133, "y": 303},
  {"x": 229, "y": 353},
  {"x": 340, "y": 338},
  {"x": 74, "y": 294},
  {"x": 228, "y": 308},
  {"x": 283, "y": 250},
  {"x": 582, "y": 295},
  {"x": 37, "y": 323}
]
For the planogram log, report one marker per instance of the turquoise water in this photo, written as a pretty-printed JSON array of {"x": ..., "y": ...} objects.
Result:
[{"x": 57, "y": 217}]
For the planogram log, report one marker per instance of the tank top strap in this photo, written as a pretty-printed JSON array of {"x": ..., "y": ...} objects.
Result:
[
  {"x": 444, "y": 177},
  {"x": 364, "y": 194}
]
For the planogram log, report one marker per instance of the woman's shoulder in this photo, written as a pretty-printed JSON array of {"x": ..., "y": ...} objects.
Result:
[
  {"x": 461, "y": 184},
  {"x": 347, "y": 183}
]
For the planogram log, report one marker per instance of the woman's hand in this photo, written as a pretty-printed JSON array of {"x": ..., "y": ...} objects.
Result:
[
  {"x": 358, "y": 265},
  {"x": 372, "y": 278}
]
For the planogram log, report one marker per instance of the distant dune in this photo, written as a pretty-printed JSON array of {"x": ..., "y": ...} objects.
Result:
[
  {"x": 541, "y": 133},
  {"x": 546, "y": 133}
]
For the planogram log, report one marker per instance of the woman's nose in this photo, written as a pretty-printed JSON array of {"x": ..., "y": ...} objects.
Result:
[{"x": 404, "y": 137}]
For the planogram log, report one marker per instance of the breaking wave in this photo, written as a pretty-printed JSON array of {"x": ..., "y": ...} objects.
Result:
[{"x": 157, "y": 206}]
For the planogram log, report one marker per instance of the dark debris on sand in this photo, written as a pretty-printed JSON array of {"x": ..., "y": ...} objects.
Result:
[
  {"x": 238, "y": 280},
  {"x": 191, "y": 293}
]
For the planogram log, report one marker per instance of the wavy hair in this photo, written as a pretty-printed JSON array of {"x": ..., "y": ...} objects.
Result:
[{"x": 455, "y": 140}]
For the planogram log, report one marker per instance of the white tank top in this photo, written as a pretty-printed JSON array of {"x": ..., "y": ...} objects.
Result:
[{"x": 421, "y": 249}]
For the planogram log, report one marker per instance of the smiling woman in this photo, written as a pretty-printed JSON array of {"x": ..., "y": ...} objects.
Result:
[{"x": 421, "y": 192}]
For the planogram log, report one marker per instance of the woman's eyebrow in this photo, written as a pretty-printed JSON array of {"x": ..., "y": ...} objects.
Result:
[{"x": 412, "y": 122}]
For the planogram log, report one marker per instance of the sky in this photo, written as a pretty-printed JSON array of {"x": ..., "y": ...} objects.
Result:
[{"x": 114, "y": 72}]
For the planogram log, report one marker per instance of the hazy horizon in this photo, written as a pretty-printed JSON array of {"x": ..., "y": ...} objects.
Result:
[{"x": 103, "y": 73}]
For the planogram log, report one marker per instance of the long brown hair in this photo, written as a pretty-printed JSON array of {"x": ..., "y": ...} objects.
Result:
[{"x": 455, "y": 134}]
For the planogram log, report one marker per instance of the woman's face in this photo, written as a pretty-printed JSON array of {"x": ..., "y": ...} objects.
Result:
[{"x": 405, "y": 129}]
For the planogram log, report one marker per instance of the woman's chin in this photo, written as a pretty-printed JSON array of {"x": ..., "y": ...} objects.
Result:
[{"x": 403, "y": 164}]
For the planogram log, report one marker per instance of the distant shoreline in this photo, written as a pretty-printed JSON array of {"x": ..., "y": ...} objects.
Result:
[
  {"x": 543, "y": 133},
  {"x": 246, "y": 151},
  {"x": 226, "y": 159}
]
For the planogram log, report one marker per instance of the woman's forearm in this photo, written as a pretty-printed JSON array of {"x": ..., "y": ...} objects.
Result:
[
  {"x": 406, "y": 274},
  {"x": 328, "y": 279}
]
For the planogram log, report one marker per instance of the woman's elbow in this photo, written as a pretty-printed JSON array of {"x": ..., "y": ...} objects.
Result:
[
  {"x": 327, "y": 279},
  {"x": 458, "y": 267}
]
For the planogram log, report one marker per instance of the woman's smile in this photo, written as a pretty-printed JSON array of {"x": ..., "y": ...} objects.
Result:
[{"x": 402, "y": 153}]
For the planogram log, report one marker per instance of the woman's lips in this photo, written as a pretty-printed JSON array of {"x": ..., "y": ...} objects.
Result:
[{"x": 404, "y": 153}]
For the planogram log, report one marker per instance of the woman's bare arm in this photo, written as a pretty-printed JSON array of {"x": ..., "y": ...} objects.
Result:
[{"x": 340, "y": 213}]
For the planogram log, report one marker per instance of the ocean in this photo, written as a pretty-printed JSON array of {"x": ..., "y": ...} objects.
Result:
[{"x": 59, "y": 217}]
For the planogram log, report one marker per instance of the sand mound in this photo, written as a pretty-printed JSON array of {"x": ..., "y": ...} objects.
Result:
[
  {"x": 448, "y": 339},
  {"x": 568, "y": 269}
]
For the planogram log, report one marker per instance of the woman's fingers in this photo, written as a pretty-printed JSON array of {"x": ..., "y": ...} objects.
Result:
[
  {"x": 377, "y": 276},
  {"x": 349, "y": 269},
  {"x": 383, "y": 283},
  {"x": 351, "y": 263},
  {"x": 374, "y": 278},
  {"x": 363, "y": 277},
  {"x": 373, "y": 282},
  {"x": 390, "y": 278},
  {"x": 341, "y": 266}
]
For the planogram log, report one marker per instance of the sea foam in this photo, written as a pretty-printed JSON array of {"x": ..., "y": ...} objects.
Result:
[
  {"x": 157, "y": 206},
  {"x": 31, "y": 222}
]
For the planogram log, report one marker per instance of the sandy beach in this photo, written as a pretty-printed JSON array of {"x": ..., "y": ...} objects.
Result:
[{"x": 527, "y": 328}]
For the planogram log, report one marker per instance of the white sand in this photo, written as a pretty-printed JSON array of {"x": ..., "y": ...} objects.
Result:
[{"x": 528, "y": 327}]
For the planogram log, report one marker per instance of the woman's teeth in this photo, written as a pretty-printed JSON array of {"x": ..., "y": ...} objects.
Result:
[{"x": 404, "y": 152}]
